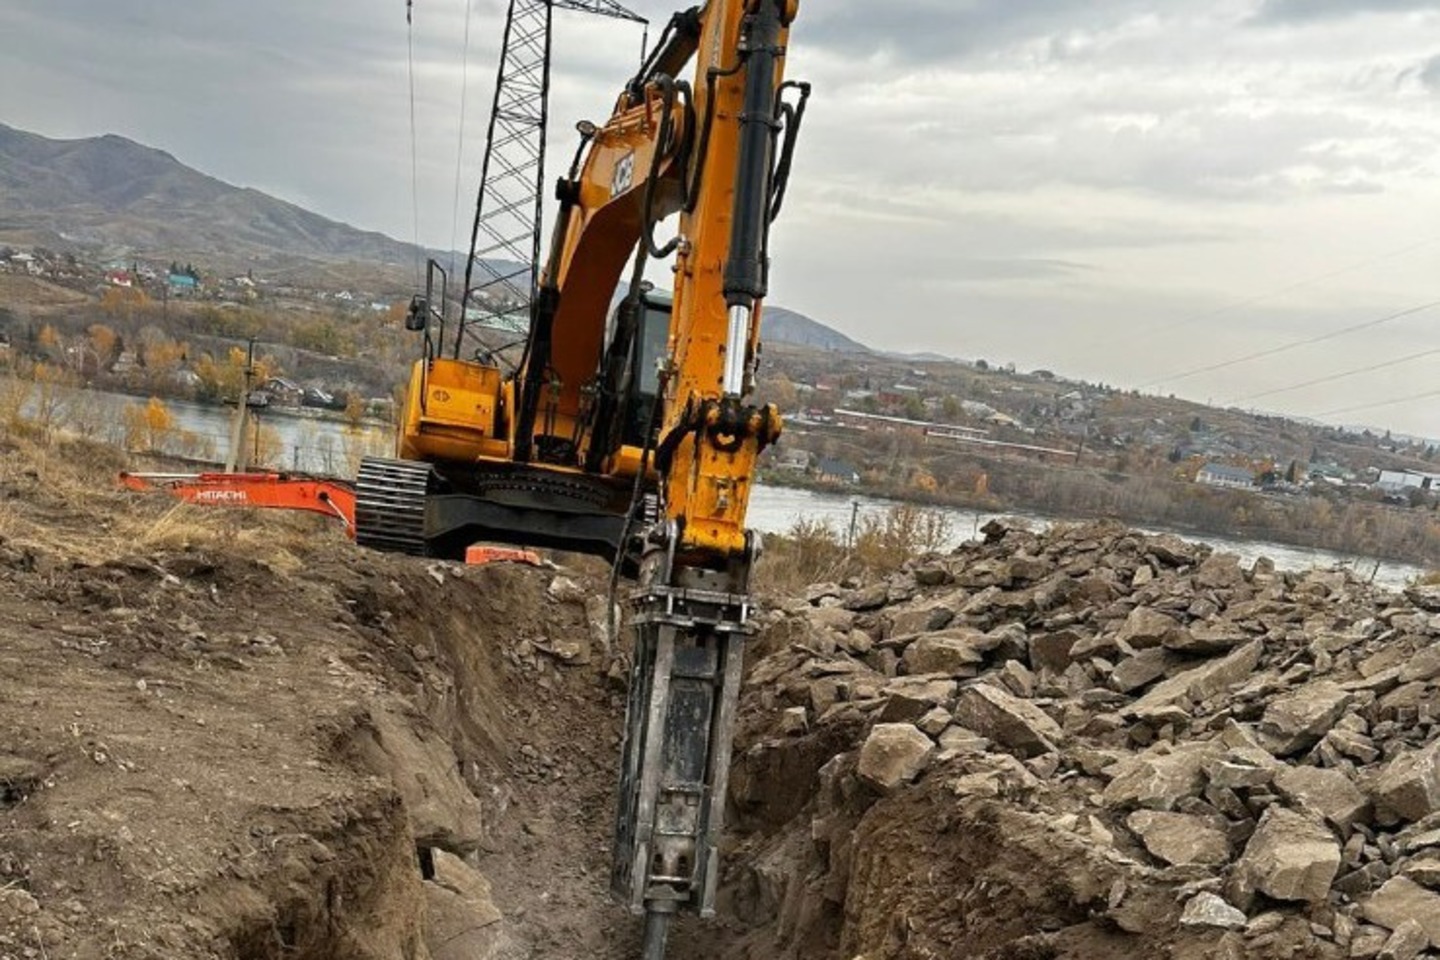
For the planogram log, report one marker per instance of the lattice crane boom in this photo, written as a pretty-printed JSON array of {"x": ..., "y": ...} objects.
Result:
[{"x": 502, "y": 270}]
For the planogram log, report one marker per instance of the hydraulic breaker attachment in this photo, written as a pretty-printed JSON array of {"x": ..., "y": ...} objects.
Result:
[{"x": 690, "y": 626}]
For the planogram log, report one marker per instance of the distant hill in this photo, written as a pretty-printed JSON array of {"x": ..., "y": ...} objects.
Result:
[
  {"x": 787, "y": 326},
  {"x": 114, "y": 194},
  {"x": 125, "y": 199}
]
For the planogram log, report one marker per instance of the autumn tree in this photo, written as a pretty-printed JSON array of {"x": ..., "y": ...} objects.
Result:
[{"x": 106, "y": 344}]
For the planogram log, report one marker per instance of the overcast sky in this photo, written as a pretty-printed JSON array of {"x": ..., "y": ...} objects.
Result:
[{"x": 1133, "y": 191}]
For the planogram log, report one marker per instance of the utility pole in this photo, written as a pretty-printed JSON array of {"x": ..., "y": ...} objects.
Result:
[{"x": 235, "y": 459}]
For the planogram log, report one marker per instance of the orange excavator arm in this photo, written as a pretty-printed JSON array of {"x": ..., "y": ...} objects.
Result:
[
  {"x": 711, "y": 151},
  {"x": 278, "y": 491}
]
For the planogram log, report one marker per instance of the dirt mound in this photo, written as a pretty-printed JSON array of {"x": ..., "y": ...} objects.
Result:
[{"x": 239, "y": 736}]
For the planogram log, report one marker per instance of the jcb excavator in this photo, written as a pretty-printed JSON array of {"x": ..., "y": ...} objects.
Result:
[{"x": 632, "y": 433}]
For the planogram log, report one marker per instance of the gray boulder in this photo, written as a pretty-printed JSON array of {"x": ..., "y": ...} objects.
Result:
[
  {"x": 1007, "y": 720},
  {"x": 1291, "y": 856},
  {"x": 1297, "y": 721},
  {"x": 893, "y": 754}
]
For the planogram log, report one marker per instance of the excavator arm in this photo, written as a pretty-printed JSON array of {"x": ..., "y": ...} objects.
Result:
[
  {"x": 715, "y": 151},
  {"x": 632, "y": 432}
]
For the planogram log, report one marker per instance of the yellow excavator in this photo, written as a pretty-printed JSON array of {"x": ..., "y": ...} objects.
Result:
[{"x": 632, "y": 433}]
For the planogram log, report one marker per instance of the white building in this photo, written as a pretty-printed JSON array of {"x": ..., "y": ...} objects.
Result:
[{"x": 1223, "y": 475}]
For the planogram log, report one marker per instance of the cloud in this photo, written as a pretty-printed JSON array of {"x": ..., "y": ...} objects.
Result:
[
  {"x": 1310, "y": 10},
  {"x": 927, "y": 31},
  {"x": 1430, "y": 73},
  {"x": 1019, "y": 179}
]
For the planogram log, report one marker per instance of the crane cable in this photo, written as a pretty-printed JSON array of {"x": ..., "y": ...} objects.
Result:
[
  {"x": 460, "y": 145},
  {"x": 1287, "y": 347},
  {"x": 414, "y": 140}
]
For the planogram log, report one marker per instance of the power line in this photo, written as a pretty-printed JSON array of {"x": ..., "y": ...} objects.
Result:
[
  {"x": 1382, "y": 403},
  {"x": 1270, "y": 295},
  {"x": 1293, "y": 345},
  {"x": 1331, "y": 378},
  {"x": 414, "y": 139}
]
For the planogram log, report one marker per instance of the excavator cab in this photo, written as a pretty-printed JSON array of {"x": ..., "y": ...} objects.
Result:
[{"x": 639, "y": 408}]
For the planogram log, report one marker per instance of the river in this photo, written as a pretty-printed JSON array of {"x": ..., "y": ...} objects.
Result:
[
  {"x": 308, "y": 443},
  {"x": 776, "y": 509}
]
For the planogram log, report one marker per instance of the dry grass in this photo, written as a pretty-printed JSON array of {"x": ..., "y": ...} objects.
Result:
[
  {"x": 815, "y": 552},
  {"x": 63, "y": 498}
]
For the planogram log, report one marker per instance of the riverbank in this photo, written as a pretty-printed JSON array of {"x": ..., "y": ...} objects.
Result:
[{"x": 1355, "y": 530}]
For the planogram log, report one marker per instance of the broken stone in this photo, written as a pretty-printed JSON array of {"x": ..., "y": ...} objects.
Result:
[
  {"x": 957, "y": 741},
  {"x": 1297, "y": 722},
  {"x": 934, "y": 722},
  {"x": 872, "y": 597},
  {"x": 1329, "y": 793},
  {"x": 1208, "y": 910},
  {"x": 926, "y": 689},
  {"x": 462, "y": 920},
  {"x": 1144, "y": 668},
  {"x": 566, "y": 590},
  {"x": 1401, "y": 900},
  {"x": 941, "y": 654},
  {"x": 893, "y": 753},
  {"x": 1406, "y": 943},
  {"x": 1202, "y": 682},
  {"x": 1147, "y": 627},
  {"x": 920, "y": 621},
  {"x": 1007, "y": 720},
  {"x": 1179, "y": 838},
  {"x": 1018, "y": 678},
  {"x": 1232, "y": 774},
  {"x": 1409, "y": 787},
  {"x": 1424, "y": 665},
  {"x": 1158, "y": 780},
  {"x": 793, "y": 722},
  {"x": 1292, "y": 856},
  {"x": 1051, "y": 651},
  {"x": 1424, "y": 871},
  {"x": 1368, "y": 942}
]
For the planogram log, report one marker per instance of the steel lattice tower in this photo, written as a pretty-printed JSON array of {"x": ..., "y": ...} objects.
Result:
[{"x": 503, "y": 267}]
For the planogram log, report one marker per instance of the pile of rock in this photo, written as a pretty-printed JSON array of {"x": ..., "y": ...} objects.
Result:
[{"x": 1262, "y": 746}]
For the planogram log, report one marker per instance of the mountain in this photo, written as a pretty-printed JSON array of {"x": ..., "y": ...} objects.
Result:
[
  {"x": 787, "y": 326},
  {"x": 125, "y": 199},
  {"x": 117, "y": 195}
]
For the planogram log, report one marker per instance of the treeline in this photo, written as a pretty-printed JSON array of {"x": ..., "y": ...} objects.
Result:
[
  {"x": 1320, "y": 519},
  {"x": 162, "y": 344}
]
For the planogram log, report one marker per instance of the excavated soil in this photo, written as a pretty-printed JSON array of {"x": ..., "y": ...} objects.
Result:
[{"x": 232, "y": 735}]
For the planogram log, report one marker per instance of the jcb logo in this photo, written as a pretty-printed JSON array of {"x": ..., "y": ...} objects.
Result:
[{"x": 624, "y": 175}]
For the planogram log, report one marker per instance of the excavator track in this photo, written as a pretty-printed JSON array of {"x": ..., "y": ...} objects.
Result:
[{"x": 390, "y": 500}]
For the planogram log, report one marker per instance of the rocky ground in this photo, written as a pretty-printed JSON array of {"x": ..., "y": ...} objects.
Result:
[
  {"x": 1094, "y": 743},
  {"x": 235, "y": 736}
]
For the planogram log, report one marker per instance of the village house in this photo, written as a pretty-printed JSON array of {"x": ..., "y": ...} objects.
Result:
[
  {"x": 1224, "y": 475},
  {"x": 831, "y": 470},
  {"x": 1400, "y": 481},
  {"x": 282, "y": 392},
  {"x": 792, "y": 459},
  {"x": 182, "y": 285}
]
